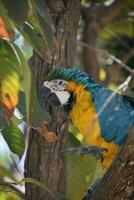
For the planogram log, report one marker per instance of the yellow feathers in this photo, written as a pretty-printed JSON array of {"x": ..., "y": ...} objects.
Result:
[{"x": 82, "y": 114}]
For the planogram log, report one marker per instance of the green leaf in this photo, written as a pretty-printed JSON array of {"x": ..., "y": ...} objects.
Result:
[
  {"x": 14, "y": 138},
  {"x": 55, "y": 195},
  {"x": 10, "y": 73},
  {"x": 84, "y": 169},
  {"x": 17, "y": 10},
  {"x": 3, "y": 14},
  {"x": 4, "y": 172},
  {"x": 81, "y": 173},
  {"x": 17, "y": 117},
  {"x": 44, "y": 20},
  {"x": 29, "y": 87},
  {"x": 73, "y": 141},
  {"x": 2, "y": 119},
  {"x": 33, "y": 100},
  {"x": 6, "y": 195},
  {"x": 41, "y": 8},
  {"x": 34, "y": 40},
  {"x": 40, "y": 115},
  {"x": 22, "y": 104}
]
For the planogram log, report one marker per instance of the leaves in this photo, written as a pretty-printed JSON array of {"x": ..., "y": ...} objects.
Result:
[
  {"x": 33, "y": 20},
  {"x": 81, "y": 170},
  {"x": 44, "y": 21},
  {"x": 3, "y": 31},
  {"x": 9, "y": 78},
  {"x": 13, "y": 6},
  {"x": 26, "y": 83},
  {"x": 2, "y": 119},
  {"x": 55, "y": 195},
  {"x": 4, "y": 171},
  {"x": 6, "y": 195},
  {"x": 14, "y": 138},
  {"x": 4, "y": 17},
  {"x": 34, "y": 40},
  {"x": 49, "y": 136}
]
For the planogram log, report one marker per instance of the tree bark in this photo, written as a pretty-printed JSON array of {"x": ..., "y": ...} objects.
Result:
[
  {"x": 90, "y": 37},
  {"x": 44, "y": 161},
  {"x": 118, "y": 182}
]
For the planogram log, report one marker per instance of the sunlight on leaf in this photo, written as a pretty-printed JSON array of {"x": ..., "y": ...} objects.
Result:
[
  {"x": 102, "y": 74},
  {"x": 29, "y": 86},
  {"x": 5, "y": 172},
  {"x": 9, "y": 93},
  {"x": 9, "y": 78},
  {"x": 7, "y": 194},
  {"x": 34, "y": 40},
  {"x": 26, "y": 82},
  {"x": 3, "y": 31}
]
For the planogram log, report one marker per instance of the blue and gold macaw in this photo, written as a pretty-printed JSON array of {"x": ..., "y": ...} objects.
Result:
[{"x": 84, "y": 98}]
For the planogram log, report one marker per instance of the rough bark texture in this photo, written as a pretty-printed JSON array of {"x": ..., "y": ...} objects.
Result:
[
  {"x": 118, "y": 182},
  {"x": 95, "y": 18},
  {"x": 44, "y": 161}
]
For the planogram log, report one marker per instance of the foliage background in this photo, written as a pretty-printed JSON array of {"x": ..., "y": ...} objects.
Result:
[{"x": 31, "y": 29}]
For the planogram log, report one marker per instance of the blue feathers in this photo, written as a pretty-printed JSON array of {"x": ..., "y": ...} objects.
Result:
[
  {"x": 76, "y": 75},
  {"x": 117, "y": 118}
]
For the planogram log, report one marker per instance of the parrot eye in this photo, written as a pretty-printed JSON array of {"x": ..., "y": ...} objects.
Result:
[
  {"x": 56, "y": 85},
  {"x": 60, "y": 82}
]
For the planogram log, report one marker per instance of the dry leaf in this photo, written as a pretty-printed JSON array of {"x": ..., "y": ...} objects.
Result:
[{"x": 48, "y": 135}]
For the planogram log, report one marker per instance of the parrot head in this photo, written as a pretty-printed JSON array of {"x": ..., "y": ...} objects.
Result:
[{"x": 55, "y": 93}]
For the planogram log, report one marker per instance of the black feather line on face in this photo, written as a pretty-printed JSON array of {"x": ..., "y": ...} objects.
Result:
[{"x": 68, "y": 106}]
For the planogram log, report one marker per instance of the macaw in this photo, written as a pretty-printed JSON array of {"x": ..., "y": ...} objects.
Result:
[{"x": 83, "y": 98}]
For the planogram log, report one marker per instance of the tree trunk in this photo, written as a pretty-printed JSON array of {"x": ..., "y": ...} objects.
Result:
[
  {"x": 90, "y": 57},
  {"x": 95, "y": 17},
  {"x": 90, "y": 37},
  {"x": 118, "y": 182},
  {"x": 44, "y": 161}
]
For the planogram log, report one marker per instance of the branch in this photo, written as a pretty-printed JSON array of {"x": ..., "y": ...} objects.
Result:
[
  {"x": 56, "y": 6},
  {"x": 124, "y": 60},
  {"x": 101, "y": 13},
  {"x": 108, "y": 55},
  {"x": 107, "y": 13},
  {"x": 55, "y": 195},
  {"x": 118, "y": 181},
  {"x": 10, "y": 188}
]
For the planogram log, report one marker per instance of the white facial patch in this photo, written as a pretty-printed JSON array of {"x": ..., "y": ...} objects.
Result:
[
  {"x": 63, "y": 96},
  {"x": 58, "y": 87},
  {"x": 57, "y": 84}
]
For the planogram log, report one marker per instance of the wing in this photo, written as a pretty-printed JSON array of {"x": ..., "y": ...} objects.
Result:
[{"x": 117, "y": 118}]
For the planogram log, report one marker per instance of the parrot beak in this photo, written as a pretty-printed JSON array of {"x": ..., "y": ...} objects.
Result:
[{"x": 47, "y": 98}]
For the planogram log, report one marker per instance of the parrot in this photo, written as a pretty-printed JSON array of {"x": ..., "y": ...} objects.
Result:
[{"x": 83, "y": 98}]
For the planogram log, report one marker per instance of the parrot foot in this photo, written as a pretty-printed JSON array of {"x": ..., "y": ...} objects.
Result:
[{"x": 97, "y": 152}]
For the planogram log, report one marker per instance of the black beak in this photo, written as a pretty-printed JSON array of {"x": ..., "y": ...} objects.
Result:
[{"x": 47, "y": 98}]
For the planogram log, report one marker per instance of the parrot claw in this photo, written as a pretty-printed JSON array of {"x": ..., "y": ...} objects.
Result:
[{"x": 97, "y": 152}]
